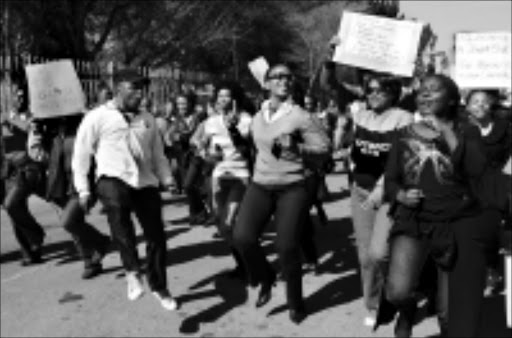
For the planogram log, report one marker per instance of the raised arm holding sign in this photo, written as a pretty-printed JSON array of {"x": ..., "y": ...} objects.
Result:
[{"x": 54, "y": 89}]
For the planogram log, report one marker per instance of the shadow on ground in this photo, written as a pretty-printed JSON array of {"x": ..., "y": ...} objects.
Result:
[
  {"x": 64, "y": 252},
  {"x": 232, "y": 293}
]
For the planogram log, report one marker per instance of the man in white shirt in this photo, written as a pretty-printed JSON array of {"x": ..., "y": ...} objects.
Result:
[{"x": 130, "y": 167}]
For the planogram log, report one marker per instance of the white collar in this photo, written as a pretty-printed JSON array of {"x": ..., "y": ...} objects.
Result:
[{"x": 284, "y": 109}]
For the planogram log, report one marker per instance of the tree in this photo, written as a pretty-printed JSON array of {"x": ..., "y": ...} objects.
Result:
[{"x": 62, "y": 28}]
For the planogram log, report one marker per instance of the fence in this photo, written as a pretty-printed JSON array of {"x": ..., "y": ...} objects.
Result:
[{"x": 164, "y": 82}]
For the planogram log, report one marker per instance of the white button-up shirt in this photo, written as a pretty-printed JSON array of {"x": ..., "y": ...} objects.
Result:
[{"x": 130, "y": 151}]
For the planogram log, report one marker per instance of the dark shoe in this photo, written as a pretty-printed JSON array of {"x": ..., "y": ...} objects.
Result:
[
  {"x": 101, "y": 251},
  {"x": 403, "y": 326},
  {"x": 297, "y": 315},
  {"x": 266, "y": 291},
  {"x": 27, "y": 261},
  {"x": 33, "y": 257},
  {"x": 312, "y": 268},
  {"x": 212, "y": 220},
  {"x": 92, "y": 271}
]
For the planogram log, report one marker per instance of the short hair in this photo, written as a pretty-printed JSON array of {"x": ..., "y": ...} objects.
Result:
[
  {"x": 494, "y": 94},
  {"x": 237, "y": 92},
  {"x": 190, "y": 96}
]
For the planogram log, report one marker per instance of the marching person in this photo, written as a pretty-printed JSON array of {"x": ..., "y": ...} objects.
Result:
[
  {"x": 226, "y": 139},
  {"x": 482, "y": 107},
  {"x": 283, "y": 134},
  {"x": 130, "y": 167},
  {"x": 373, "y": 131},
  {"x": 429, "y": 176}
]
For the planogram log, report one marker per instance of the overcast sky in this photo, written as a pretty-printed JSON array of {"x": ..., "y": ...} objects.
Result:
[{"x": 448, "y": 17}]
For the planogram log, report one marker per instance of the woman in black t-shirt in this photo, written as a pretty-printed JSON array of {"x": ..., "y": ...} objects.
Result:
[{"x": 429, "y": 176}]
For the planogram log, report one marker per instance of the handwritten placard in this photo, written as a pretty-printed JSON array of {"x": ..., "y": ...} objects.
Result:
[
  {"x": 54, "y": 89},
  {"x": 259, "y": 68},
  {"x": 483, "y": 60},
  {"x": 377, "y": 43}
]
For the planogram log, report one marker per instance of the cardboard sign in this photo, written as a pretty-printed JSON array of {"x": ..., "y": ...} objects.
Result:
[
  {"x": 378, "y": 43},
  {"x": 54, "y": 89},
  {"x": 483, "y": 60},
  {"x": 259, "y": 68}
]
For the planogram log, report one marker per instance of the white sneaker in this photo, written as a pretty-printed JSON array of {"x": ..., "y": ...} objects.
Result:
[
  {"x": 135, "y": 288},
  {"x": 166, "y": 300},
  {"x": 370, "y": 319}
]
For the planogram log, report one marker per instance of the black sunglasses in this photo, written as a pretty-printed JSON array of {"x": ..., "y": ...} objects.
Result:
[{"x": 281, "y": 76}]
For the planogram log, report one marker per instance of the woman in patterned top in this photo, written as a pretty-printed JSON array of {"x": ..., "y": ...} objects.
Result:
[{"x": 431, "y": 169}]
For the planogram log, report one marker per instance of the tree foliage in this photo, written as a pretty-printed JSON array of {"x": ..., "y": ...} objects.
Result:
[{"x": 219, "y": 36}]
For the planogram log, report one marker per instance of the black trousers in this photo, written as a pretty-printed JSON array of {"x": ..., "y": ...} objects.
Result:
[
  {"x": 28, "y": 232},
  {"x": 87, "y": 238},
  {"x": 192, "y": 184},
  {"x": 120, "y": 200},
  {"x": 289, "y": 205}
]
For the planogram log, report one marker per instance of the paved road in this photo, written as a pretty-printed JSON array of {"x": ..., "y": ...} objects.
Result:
[{"x": 51, "y": 299}]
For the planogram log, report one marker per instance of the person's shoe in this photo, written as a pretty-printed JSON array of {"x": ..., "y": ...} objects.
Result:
[
  {"x": 297, "y": 315},
  {"x": 265, "y": 293},
  {"x": 494, "y": 282},
  {"x": 212, "y": 220},
  {"x": 33, "y": 257},
  {"x": 134, "y": 286},
  {"x": 92, "y": 271},
  {"x": 166, "y": 300},
  {"x": 403, "y": 326},
  {"x": 370, "y": 319},
  {"x": 101, "y": 251}
]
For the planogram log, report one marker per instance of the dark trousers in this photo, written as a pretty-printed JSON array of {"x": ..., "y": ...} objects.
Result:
[
  {"x": 192, "y": 185},
  {"x": 475, "y": 239},
  {"x": 309, "y": 249},
  {"x": 28, "y": 232},
  {"x": 120, "y": 200},
  {"x": 289, "y": 205},
  {"x": 88, "y": 239}
]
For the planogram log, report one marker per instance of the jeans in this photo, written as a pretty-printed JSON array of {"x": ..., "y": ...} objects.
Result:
[
  {"x": 87, "y": 238},
  {"x": 120, "y": 200},
  {"x": 371, "y": 228},
  {"x": 289, "y": 205}
]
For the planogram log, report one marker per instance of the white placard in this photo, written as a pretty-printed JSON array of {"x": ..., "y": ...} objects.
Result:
[
  {"x": 259, "y": 68},
  {"x": 54, "y": 89},
  {"x": 378, "y": 43},
  {"x": 483, "y": 60}
]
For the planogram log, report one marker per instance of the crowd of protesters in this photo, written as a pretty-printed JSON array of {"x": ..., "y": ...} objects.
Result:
[{"x": 429, "y": 197}]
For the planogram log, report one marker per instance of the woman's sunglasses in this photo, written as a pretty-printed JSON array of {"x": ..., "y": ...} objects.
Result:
[{"x": 281, "y": 76}]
